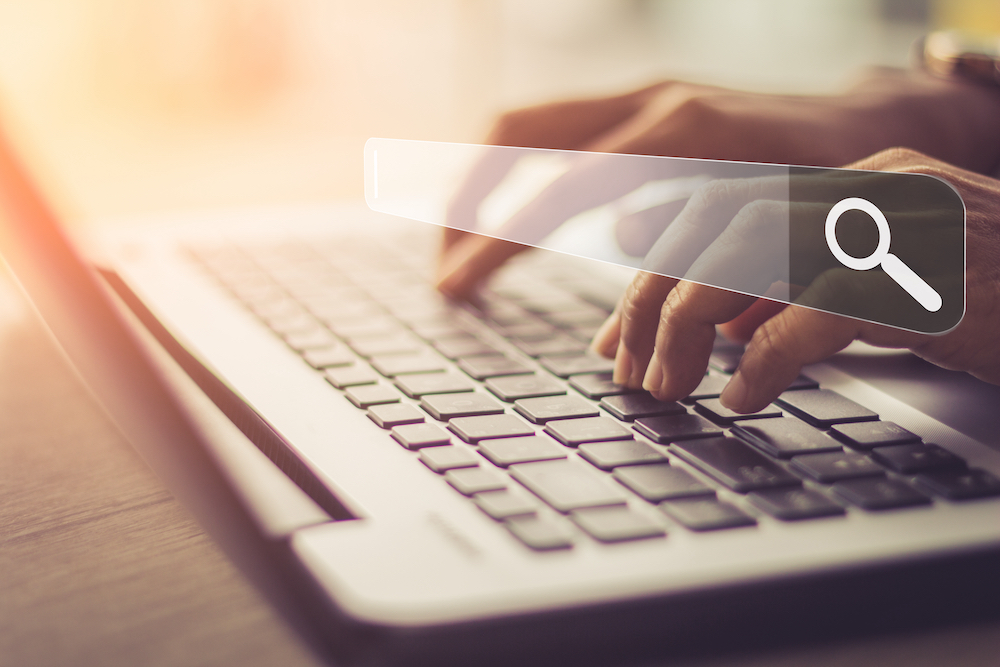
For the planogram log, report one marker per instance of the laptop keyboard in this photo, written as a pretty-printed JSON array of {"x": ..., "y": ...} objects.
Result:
[{"x": 503, "y": 401}]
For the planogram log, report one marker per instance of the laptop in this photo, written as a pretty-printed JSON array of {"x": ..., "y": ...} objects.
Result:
[{"x": 411, "y": 480}]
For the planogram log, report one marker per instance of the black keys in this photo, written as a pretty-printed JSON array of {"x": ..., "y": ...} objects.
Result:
[
  {"x": 734, "y": 463},
  {"x": 328, "y": 357},
  {"x": 556, "y": 345},
  {"x": 482, "y": 368},
  {"x": 865, "y": 435},
  {"x": 388, "y": 415},
  {"x": 794, "y": 504},
  {"x": 474, "y": 429},
  {"x": 547, "y": 408},
  {"x": 448, "y": 457},
  {"x": 835, "y": 466},
  {"x": 824, "y": 407},
  {"x": 786, "y": 437},
  {"x": 541, "y": 534},
  {"x": 916, "y": 458},
  {"x": 709, "y": 387},
  {"x": 960, "y": 484},
  {"x": 598, "y": 385},
  {"x": 391, "y": 365},
  {"x": 661, "y": 481},
  {"x": 416, "y": 436},
  {"x": 877, "y": 493},
  {"x": 566, "y": 366},
  {"x": 702, "y": 514},
  {"x": 515, "y": 387},
  {"x": 367, "y": 395},
  {"x": 419, "y": 385},
  {"x": 449, "y": 406},
  {"x": 350, "y": 376},
  {"x": 568, "y": 485},
  {"x": 470, "y": 481},
  {"x": 505, "y": 504},
  {"x": 508, "y": 451},
  {"x": 714, "y": 410},
  {"x": 726, "y": 358},
  {"x": 629, "y": 407},
  {"x": 385, "y": 345},
  {"x": 610, "y": 455},
  {"x": 572, "y": 432},
  {"x": 677, "y": 427},
  {"x": 458, "y": 348},
  {"x": 616, "y": 524}
]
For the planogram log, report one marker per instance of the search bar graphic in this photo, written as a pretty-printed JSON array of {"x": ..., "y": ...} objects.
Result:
[{"x": 814, "y": 237}]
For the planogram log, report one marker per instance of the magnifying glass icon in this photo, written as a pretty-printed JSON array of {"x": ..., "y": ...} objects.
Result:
[{"x": 892, "y": 265}]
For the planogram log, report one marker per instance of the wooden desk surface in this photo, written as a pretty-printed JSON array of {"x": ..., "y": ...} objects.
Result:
[{"x": 99, "y": 565}]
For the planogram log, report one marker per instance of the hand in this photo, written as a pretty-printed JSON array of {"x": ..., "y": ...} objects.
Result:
[
  {"x": 661, "y": 334},
  {"x": 951, "y": 120}
]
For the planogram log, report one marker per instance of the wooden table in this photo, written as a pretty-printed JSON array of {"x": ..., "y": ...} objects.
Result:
[{"x": 99, "y": 565}]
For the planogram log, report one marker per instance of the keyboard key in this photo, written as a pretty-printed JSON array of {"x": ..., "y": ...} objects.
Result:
[
  {"x": 382, "y": 346},
  {"x": 674, "y": 428},
  {"x": 714, "y": 410},
  {"x": 598, "y": 385},
  {"x": 515, "y": 387},
  {"x": 876, "y": 493},
  {"x": 629, "y": 407},
  {"x": 458, "y": 348},
  {"x": 470, "y": 481},
  {"x": 550, "y": 346},
  {"x": 407, "y": 364},
  {"x": 803, "y": 382},
  {"x": 388, "y": 415},
  {"x": 482, "y": 368},
  {"x": 300, "y": 341},
  {"x": 661, "y": 481},
  {"x": 572, "y": 432},
  {"x": 416, "y": 436},
  {"x": 449, "y": 406},
  {"x": 865, "y": 435},
  {"x": 577, "y": 318},
  {"x": 824, "y": 407},
  {"x": 448, "y": 457},
  {"x": 540, "y": 534},
  {"x": 726, "y": 358},
  {"x": 701, "y": 514},
  {"x": 547, "y": 408},
  {"x": 505, "y": 504},
  {"x": 960, "y": 484},
  {"x": 508, "y": 451},
  {"x": 530, "y": 330},
  {"x": 616, "y": 524},
  {"x": 351, "y": 376},
  {"x": 833, "y": 467},
  {"x": 573, "y": 365},
  {"x": 568, "y": 485},
  {"x": 734, "y": 463},
  {"x": 786, "y": 437},
  {"x": 610, "y": 455},
  {"x": 711, "y": 386},
  {"x": 367, "y": 395},
  {"x": 328, "y": 357},
  {"x": 438, "y": 331},
  {"x": 794, "y": 504},
  {"x": 474, "y": 429},
  {"x": 916, "y": 458},
  {"x": 364, "y": 329},
  {"x": 419, "y": 385}
]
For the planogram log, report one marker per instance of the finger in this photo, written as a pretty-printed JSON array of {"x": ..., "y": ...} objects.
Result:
[
  {"x": 640, "y": 315},
  {"x": 741, "y": 328},
  {"x": 470, "y": 261},
  {"x": 778, "y": 350},
  {"x": 685, "y": 335},
  {"x": 605, "y": 342}
]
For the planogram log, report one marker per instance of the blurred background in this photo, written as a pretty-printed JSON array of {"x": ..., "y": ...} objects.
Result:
[{"x": 134, "y": 106}]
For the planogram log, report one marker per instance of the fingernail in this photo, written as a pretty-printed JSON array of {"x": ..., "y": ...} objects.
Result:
[
  {"x": 653, "y": 380},
  {"x": 623, "y": 366},
  {"x": 734, "y": 396},
  {"x": 606, "y": 339}
]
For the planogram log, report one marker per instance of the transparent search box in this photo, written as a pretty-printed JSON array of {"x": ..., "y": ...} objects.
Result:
[{"x": 882, "y": 247}]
